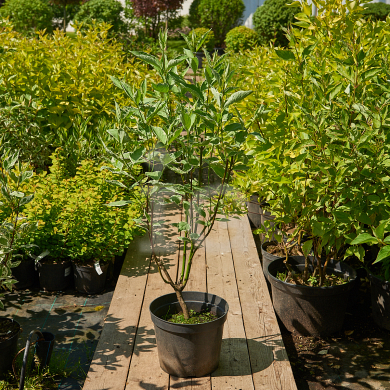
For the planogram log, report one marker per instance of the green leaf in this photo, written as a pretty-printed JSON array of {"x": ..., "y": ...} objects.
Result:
[
  {"x": 364, "y": 238},
  {"x": 380, "y": 230},
  {"x": 218, "y": 169},
  {"x": 237, "y": 97},
  {"x": 306, "y": 247},
  {"x": 119, "y": 203},
  {"x": 335, "y": 91},
  {"x": 286, "y": 55},
  {"x": 370, "y": 73},
  {"x": 384, "y": 253},
  {"x": 160, "y": 133},
  {"x": 149, "y": 59},
  {"x": 161, "y": 87}
]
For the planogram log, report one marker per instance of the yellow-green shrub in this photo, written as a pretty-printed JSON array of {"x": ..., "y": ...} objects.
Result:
[{"x": 65, "y": 77}]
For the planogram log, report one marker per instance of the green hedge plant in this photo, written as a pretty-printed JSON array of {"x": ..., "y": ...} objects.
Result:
[
  {"x": 270, "y": 20},
  {"x": 376, "y": 11},
  {"x": 241, "y": 38},
  {"x": 101, "y": 11},
  {"x": 220, "y": 16},
  {"x": 74, "y": 221},
  {"x": 28, "y": 16}
]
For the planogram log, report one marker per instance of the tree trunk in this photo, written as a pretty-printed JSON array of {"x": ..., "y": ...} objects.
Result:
[
  {"x": 183, "y": 305},
  {"x": 65, "y": 19}
]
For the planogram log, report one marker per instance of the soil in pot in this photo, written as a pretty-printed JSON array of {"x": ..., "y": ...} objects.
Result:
[
  {"x": 380, "y": 301},
  {"x": 25, "y": 273},
  {"x": 9, "y": 334},
  {"x": 54, "y": 275},
  {"x": 310, "y": 311},
  {"x": 187, "y": 350},
  {"x": 88, "y": 280}
]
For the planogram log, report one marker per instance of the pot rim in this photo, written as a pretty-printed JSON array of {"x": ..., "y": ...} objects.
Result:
[
  {"x": 222, "y": 318},
  {"x": 312, "y": 288}
]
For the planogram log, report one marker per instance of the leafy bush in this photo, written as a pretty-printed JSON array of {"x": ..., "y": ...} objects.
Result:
[
  {"x": 60, "y": 88},
  {"x": 241, "y": 38},
  {"x": 270, "y": 19},
  {"x": 73, "y": 218},
  {"x": 220, "y": 15},
  {"x": 193, "y": 14},
  {"x": 376, "y": 11},
  {"x": 28, "y": 16},
  {"x": 63, "y": 12},
  {"x": 321, "y": 148},
  {"x": 101, "y": 11},
  {"x": 209, "y": 43}
]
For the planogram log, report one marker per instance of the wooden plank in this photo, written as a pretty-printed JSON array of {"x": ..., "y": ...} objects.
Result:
[
  {"x": 234, "y": 371},
  {"x": 112, "y": 356},
  {"x": 145, "y": 372},
  {"x": 270, "y": 365},
  {"x": 196, "y": 282}
]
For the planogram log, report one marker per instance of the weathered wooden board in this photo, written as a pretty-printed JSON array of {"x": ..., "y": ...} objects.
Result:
[
  {"x": 110, "y": 364},
  {"x": 270, "y": 365},
  {"x": 234, "y": 371}
]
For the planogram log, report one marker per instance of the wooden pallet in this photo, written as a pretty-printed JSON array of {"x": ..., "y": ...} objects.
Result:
[{"x": 253, "y": 356}]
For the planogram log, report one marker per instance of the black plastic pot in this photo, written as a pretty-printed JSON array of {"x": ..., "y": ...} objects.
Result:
[
  {"x": 25, "y": 273},
  {"x": 200, "y": 56},
  {"x": 8, "y": 348},
  {"x": 267, "y": 257},
  {"x": 254, "y": 211},
  {"x": 380, "y": 301},
  {"x": 189, "y": 350},
  {"x": 87, "y": 280},
  {"x": 54, "y": 276},
  {"x": 310, "y": 311}
]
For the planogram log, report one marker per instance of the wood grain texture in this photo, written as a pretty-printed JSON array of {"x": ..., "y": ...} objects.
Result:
[
  {"x": 270, "y": 365},
  {"x": 234, "y": 371},
  {"x": 110, "y": 364},
  {"x": 145, "y": 372}
]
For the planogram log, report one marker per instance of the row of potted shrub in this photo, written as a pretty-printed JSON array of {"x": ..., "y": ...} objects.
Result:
[{"x": 67, "y": 221}]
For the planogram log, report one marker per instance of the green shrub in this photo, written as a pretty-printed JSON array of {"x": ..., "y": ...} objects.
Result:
[
  {"x": 59, "y": 13},
  {"x": 376, "y": 11},
  {"x": 193, "y": 14},
  {"x": 270, "y": 19},
  {"x": 321, "y": 148},
  {"x": 60, "y": 88},
  {"x": 101, "y": 11},
  {"x": 220, "y": 16},
  {"x": 28, "y": 16},
  {"x": 241, "y": 38},
  {"x": 73, "y": 218},
  {"x": 210, "y": 39}
]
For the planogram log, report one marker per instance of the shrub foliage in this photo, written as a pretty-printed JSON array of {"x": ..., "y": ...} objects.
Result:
[
  {"x": 270, "y": 19},
  {"x": 241, "y": 38}
]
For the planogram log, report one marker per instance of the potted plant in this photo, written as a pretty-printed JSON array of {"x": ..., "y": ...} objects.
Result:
[
  {"x": 13, "y": 230},
  {"x": 76, "y": 227},
  {"x": 191, "y": 130},
  {"x": 324, "y": 154}
]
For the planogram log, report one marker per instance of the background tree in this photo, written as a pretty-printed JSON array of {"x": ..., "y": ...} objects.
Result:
[
  {"x": 270, "y": 19},
  {"x": 153, "y": 12},
  {"x": 65, "y": 10},
  {"x": 99, "y": 11},
  {"x": 28, "y": 16},
  {"x": 221, "y": 16}
]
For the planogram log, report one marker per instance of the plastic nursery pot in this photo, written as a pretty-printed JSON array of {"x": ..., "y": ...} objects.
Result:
[
  {"x": 254, "y": 211},
  {"x": 25, "y": 273},
  {"x": 200, "y": 56},
  {"x": 54, "y": 276},
  {"x": 310, "y": 311},
  {"x": 267, "y": 257},
  {"x": 186, "y": 350},
  {"x": 9, "y": 334},
  {"x": 380, "y": 301},
  {"x": 87, "y": 280}
]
